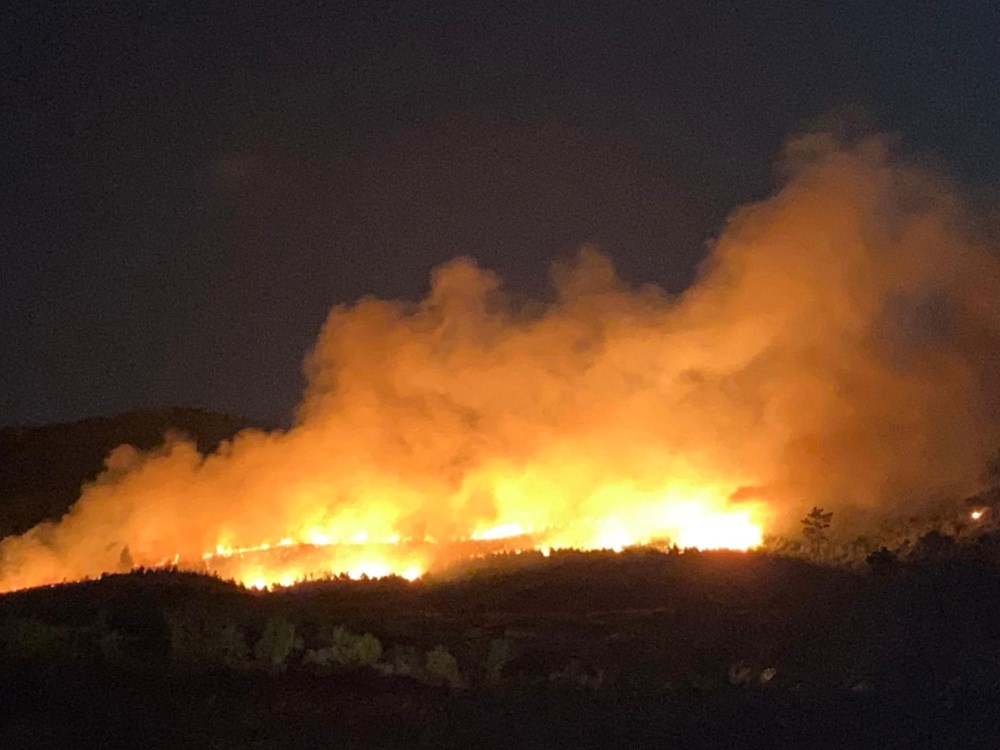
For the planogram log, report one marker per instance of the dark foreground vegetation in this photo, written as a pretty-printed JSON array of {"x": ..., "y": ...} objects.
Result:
[
  {"x": 891, "y": 640},
  {"x": 641, "y": 649}
]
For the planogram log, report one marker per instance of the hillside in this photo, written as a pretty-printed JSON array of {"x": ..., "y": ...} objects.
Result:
[
  {"x": 42, "y": 467},
  {"x": 641, "y": 649}
]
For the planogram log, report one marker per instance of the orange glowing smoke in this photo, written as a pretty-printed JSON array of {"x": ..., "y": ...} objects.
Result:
[{"x": 838, "y": 350}]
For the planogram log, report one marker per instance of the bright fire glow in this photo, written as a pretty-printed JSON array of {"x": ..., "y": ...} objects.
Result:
[
  {"x": 799, "y": 369},
  {"x": 687, "y": 518},
  {"x": 503, "y": 531}
]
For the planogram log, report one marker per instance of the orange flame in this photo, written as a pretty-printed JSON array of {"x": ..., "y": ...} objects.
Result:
[
  {"x": 837, "y": 346},
  {"x": 688, "y": 521}
]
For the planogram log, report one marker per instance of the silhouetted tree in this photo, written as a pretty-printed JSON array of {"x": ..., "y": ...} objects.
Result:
[
  {"x": 814, "y": 527},
  {"x": 935, "y": 547}
]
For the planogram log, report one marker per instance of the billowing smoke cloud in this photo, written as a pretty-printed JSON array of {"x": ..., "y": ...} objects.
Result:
[{"x": 840, "y": 348}]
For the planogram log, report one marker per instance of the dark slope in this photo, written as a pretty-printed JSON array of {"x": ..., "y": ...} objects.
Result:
[{"x": 581, "y": 650}]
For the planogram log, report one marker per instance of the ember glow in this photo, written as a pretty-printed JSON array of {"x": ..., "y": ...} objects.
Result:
[
  {"x": 692, "y": 521},
  {"x": 839, "y": 349}
]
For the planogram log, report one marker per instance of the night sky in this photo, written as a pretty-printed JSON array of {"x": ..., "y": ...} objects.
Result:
[{"x": 189, "y": 188}]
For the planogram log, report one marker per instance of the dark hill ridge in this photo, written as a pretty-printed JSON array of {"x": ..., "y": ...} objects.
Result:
[
  {"x": 42, "y": 467},
  {"x": 583, "y": 650}
]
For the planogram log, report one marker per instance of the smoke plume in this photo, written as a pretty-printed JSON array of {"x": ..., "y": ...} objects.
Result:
[{"x": 839, "y": 349}]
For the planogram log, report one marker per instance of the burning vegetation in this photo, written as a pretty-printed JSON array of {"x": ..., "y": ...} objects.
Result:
[{"x": 838, "y": 350}]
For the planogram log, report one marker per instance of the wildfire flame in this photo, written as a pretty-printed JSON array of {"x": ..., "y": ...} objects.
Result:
[
  {"x": 839, "y": 344},
  {"x": 700, "y": 522}
]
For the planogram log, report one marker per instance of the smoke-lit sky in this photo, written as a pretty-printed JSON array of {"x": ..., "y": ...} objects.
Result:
[{"x": 189, "y": 188}]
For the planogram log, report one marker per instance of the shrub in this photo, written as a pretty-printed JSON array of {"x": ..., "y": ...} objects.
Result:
[
  {"x": 406, "y": 661},
  {"x": 500, "y": 654},
  {"x": 31, "y": 638},
  {"x": 577, "y": 674},
  {"x": 276, "y": 643},
  {"x": 346, "y": 650},
  {"x": 935, "y": 547},
  {"x": 197, "y": 639},
  {"x": 233, "y": 645},
  {"x": 442, "y": 668},
  {"x": 111, "y": 644},
  {"x": 881, "y": 561}
]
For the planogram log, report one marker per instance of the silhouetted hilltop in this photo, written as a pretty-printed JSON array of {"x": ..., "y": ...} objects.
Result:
[{"x": 42, "y": 467}]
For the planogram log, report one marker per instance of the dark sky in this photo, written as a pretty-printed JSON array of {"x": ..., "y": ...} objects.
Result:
[{"x": 189, "y": 188}]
